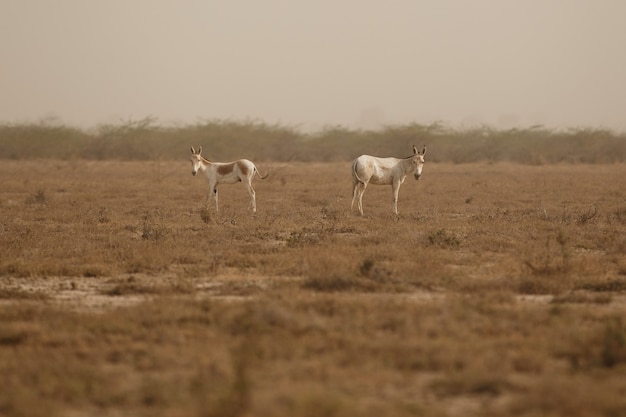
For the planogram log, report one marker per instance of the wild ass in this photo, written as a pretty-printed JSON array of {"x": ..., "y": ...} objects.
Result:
[
  {"x": 384, "y": 171},
  {"x": 218, "y": 173}
]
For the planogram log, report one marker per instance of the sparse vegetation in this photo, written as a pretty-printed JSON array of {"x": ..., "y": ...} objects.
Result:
[
  {"x": 38, "y": 198},
  {"x": 146, "y": 139},
  {"x": 443, "y": 238},
  {"x": 122, "y": 294}
]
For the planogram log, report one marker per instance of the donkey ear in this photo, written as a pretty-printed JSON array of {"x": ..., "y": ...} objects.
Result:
[
  {"x": 193, "y": 151},
  {"x": 424, "y": 151},
  {"x": 200, "y": 150},
  {"x": 414, "y": 150}
]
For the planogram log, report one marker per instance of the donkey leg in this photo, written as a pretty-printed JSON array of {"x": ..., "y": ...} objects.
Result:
[
  {"x": 355, "y": 185},
  {"x": 361, "y": 192},
  {"x": 396, "y": 190},
  {"x": 217, "y": 208},
  {"x": 252, "y": 197}
]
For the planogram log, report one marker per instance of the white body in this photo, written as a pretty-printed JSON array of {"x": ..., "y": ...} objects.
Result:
[
  {"x": 218, "y": 173},
  {"x": 368, "y": 169}
]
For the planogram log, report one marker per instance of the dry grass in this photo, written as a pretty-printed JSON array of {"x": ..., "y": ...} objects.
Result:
[{"x": 499, "y": 290}]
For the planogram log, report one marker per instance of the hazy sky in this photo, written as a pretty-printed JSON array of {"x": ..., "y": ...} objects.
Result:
[{"x": 313, "y": 63}]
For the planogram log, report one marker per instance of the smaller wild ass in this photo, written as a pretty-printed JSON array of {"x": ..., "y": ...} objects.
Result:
[
  {"x": 218, "y": 173},
  {"x": 384, "y": 171}
]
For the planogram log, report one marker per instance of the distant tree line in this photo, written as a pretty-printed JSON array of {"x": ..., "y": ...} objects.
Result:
[{"x": 225, "y": 140}]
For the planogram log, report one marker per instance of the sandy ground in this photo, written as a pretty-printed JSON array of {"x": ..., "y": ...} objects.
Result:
[{"x": 101, "y": 294}]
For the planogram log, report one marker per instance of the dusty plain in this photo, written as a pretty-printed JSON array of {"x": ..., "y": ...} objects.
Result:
[{"x": 499, "y": 290}]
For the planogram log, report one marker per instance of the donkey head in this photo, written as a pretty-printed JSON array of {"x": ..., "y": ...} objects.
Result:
[
  {"x": 196, "y": 160},
  {"x": 418, "y": 160}
]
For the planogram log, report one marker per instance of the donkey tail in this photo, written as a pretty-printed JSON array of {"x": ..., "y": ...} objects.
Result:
[
  {"x": 256, "y": 171},
  {"x": 354, "y": 173}
]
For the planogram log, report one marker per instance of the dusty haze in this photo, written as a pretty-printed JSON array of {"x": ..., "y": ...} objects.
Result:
[{"x": 315, "y": 63}]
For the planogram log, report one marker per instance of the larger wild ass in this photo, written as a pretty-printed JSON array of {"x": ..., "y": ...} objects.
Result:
[
  {"x": 384, "y": 171},
  {"x": 218, "y": 173}
]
